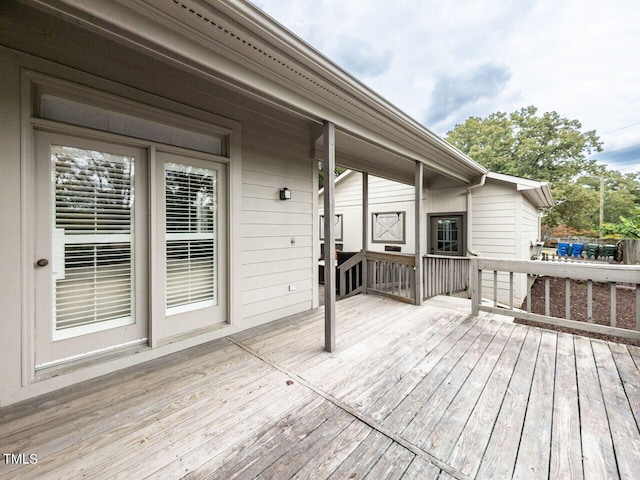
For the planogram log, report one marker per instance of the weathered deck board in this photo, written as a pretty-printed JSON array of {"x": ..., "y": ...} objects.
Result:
[
  {"x": 420, "y": 469},
  {"x": 446, "y": 432},
  {"x": 392, "y": 464},
  {"x": 624, "y": 431},
  {"x": 387, "y": 401},
  {"x": 324, "y": 464},
  {"x": 499, "y": 457},
  {"x": 598, "y": 457},
  {"x": 410, "y": 392},
  {"x": 363, "y": 458},
  {"x": 535, "y": 441},
  {"x": 472, "y": 442},
  {"x": 566, "y": 451},
  {"x": 629, "y": 376},
  {"x": 421, "y": 429},
  {"x": 402, "y": 416}
]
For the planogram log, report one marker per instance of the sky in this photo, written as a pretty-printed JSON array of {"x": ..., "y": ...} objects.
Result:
[{"x": 443, "y": 61}]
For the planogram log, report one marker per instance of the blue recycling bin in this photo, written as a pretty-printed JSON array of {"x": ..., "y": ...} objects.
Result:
[
  {"x": 576, "y": 250},
  {"x": 563, "y": 249}
]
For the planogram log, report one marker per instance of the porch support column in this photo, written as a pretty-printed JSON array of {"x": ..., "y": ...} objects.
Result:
[
  {"x": 365, "y": 228},
  {"x": 328, "y": 167},
  {"x": 419, "y": 233}
]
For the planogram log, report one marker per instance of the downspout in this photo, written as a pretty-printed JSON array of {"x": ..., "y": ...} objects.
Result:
[{"x": 470, "y": 250}]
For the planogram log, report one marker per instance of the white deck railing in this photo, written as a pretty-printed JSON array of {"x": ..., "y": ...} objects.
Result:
[
  {"x": 391, "y": 274},
  {"x": 443, "y": 275},
  {"x": 590, "y": 273},
  {"x": 350, "y": 275}
]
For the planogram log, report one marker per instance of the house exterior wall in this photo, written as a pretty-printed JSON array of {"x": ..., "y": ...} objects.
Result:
[
  {"x": 504, "y": 222},
  {"x": 495, "y": 217},
  {"x": 384, "y": 196},
  {"x": 277, "y": 239},
  {"x": 271, "y": 273}
]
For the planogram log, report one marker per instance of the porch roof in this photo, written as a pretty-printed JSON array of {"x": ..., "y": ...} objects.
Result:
[
  {"x": 413, "y": 392},
  {"x": 236, "y": 44}
]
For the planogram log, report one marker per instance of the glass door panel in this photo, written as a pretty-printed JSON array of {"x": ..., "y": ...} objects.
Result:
[
  {"x": 193, "y": 230},
  {"x": 87, "y": 204}
]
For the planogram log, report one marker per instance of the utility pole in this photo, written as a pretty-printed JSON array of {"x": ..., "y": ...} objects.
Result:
[{"x": 601, "y": 203}]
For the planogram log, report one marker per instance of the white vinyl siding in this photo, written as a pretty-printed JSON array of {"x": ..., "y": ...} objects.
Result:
[
  {"x": 277, "y": 235},
  {"x": 92, "y": 237},
  {"x": 494, "y": 220},
  {"x": 191, "y": 214},
  {"x": 384, "y": 196},
  {"x": 496, "y": 234}
]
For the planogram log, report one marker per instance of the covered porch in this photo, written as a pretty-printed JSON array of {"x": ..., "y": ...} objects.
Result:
[{"x": 410, "y": 392}]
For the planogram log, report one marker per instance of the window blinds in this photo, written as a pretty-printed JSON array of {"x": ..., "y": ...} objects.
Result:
[
  {"x": 191, "y": 215},
  {"x": 93, "y": 218}
]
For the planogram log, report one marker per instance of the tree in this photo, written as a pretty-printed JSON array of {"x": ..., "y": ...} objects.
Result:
[
  {"x": 543, "y": 147},
  {"x": 628, "y": 227},
  {"x": 336, "y": 172},
  {"x": 547, "y": 147}
]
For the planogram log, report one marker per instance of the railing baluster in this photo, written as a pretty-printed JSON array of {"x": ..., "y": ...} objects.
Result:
[
  {"x": 510, "y": 290},
  {"x": 589, "y": 301},
  {"x": 547, "y": 309},
  {"x": 612, "y": 287},
  {"x": 638, "y": 307},
  {"x": 567, "y": 298},
  {"x": 495, "y": 288},
  {"x": 528, "y": 293}
]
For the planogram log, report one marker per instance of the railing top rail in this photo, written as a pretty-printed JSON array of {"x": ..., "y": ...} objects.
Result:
[
  {"x": 400, "y": 258},
  {"x": 577, "y": 271},
  {"x": 351, "y": 262},
  {"x": 447, "y": 257}
]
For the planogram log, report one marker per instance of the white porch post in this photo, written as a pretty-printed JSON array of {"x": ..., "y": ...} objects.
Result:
[
  {"x": 418, "y": 232},
  {"x": 365, "y": 228},
  {"x": 328, "y": 167}
]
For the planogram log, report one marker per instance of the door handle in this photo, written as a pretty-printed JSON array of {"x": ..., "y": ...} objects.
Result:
[{"x": 43, "y": 262}]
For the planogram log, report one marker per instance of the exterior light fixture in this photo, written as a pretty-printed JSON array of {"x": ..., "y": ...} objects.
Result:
[{"x": 285, "y": 194}]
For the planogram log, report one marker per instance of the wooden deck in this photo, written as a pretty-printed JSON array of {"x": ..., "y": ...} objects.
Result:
[{"x": 411, "y": 392}]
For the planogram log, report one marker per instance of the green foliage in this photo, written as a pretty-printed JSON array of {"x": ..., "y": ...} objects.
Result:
[
  {"x": 550, "y": 148},
  {"x": 547, "y": 147},
  {"x": 336, "y": 172},
  {"x": 626, "y": 228}
]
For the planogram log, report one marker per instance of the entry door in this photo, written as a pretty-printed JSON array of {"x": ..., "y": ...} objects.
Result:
[
  {"x": 447, "y": 235},
  {"x": 192, "y": 248},
  {"x": 90, "y": 257}
]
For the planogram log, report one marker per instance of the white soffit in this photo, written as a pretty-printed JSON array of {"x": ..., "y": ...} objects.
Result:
[{"x": 234, "y": 42}]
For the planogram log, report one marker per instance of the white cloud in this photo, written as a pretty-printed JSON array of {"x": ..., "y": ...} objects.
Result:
[{"x": 442, "y": 62}]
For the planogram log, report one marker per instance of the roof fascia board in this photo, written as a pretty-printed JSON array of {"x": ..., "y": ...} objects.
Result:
[
  {"x": 539, "y": 193},
  {"x": 306, "y": 55},
  {"x": 142, "y": 25}
]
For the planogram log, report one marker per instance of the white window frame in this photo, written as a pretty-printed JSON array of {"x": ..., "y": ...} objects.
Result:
[
  {"x": 401, "y": 216},
  {"x": 127, "y": 101}
]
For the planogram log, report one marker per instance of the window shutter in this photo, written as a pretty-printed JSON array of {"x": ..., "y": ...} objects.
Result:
[
  {"x": 191, "y": 256},
  {"x": 93, "y": 216}
]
